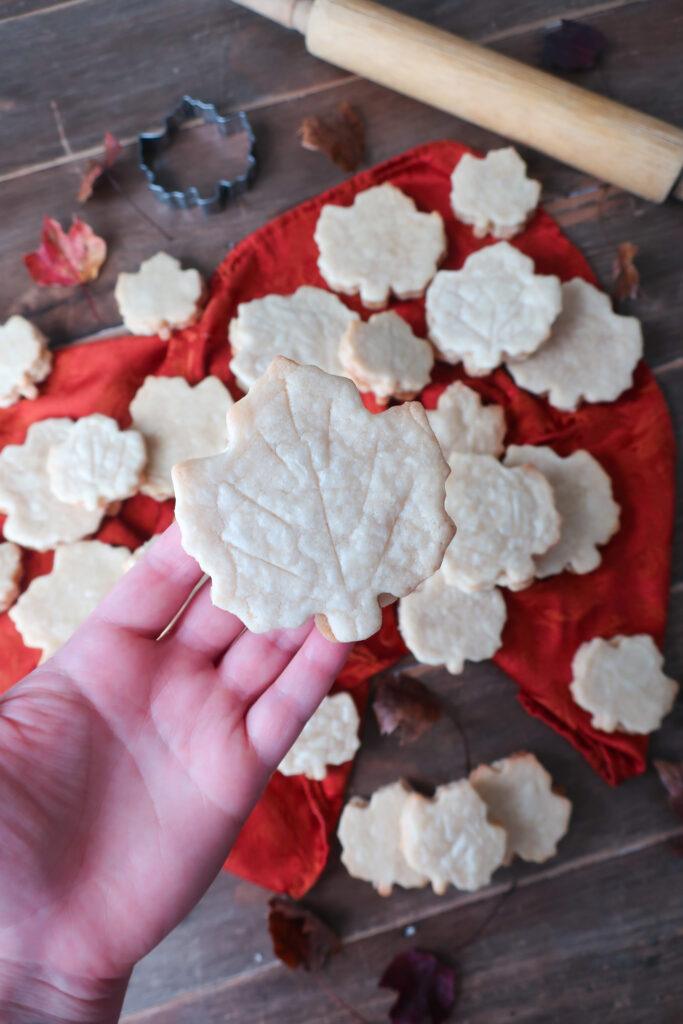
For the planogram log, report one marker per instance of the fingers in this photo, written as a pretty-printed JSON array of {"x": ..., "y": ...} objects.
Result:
[
  {"x": 256, "y": 659},
  {"x": 279, "y": 715},
  {"x": 153, "y": 591},
  {"x": 205, "y": 628}
]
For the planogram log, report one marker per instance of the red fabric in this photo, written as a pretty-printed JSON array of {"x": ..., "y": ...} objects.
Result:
[{"x": 284, "y": 845}]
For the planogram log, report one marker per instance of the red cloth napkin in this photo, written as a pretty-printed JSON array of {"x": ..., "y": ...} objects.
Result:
[{"x": 284, "y": 844}]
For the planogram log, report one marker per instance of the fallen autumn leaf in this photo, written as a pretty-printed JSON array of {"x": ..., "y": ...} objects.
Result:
[
  {"x": 341, "y": 137},
  {"x": 426, "y": 988},
  {"x": 66, "y": 258},
  {"x": 404, "y": 704},
  {"x": 300, "y": 939},
  {"x": 96, "y": 168}
]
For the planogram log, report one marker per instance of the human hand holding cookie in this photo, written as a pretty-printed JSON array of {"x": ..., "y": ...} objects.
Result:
[{"x": 135, "y": 743}]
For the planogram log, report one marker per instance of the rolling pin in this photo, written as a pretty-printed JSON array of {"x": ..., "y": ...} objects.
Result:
[{"x": 607, "y": 140}]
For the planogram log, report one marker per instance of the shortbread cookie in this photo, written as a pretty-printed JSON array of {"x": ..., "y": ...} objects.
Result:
[
  {"x": 369, "y": 834},
  {"x": 178, "y": 422},
  {"x": 583, "y": 497},
  {"x": 443, "y": 625},
  {"x": 462, "y": 424},
  {"x": 519, "y": 796},
  {"x": 97, "y": 463},
  {"x": 503, "y": 517},
  {"x": 385, "y": 357},
  {"x": 316, "y": 506},
  {"x": 449, "y": 838},
  {"x": 10, "y": 574},
  {"x": 36, "y": 518},
  {"x": 621, "y": 684},
  {"x": 306, "y": 327},
  {"x": 379, "y": 245},
  {"x": 591, "y": 354},
  {"x": 53, "y": 606},
  {"x": 329, "y": 737},
  {"x": 25, "y": 360},
  {"x": 494, "y": 195},
  {"x": 160, "y": 297},
  {"x": 494, "y": 308}
]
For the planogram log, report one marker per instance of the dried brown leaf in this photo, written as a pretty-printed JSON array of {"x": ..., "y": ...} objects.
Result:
[
  {"x": 625, "y": 274},
  {"x": 403, "y": 703},
  {"x": 300, "y": 939},
  {"x": 341, "y": 137},
  {"x": 96, "y": 168}
]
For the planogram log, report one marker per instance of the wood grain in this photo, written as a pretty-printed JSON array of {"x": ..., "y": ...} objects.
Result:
[{"x": 602, "y": 947}]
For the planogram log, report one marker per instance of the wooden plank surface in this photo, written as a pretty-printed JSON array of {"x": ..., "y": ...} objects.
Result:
[{"x": 590, "y": 935}]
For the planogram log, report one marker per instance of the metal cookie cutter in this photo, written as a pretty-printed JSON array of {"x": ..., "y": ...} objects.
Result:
[{"x": 152, "y": 144}]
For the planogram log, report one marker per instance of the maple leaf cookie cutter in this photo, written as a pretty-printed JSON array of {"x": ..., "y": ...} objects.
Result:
[{"x": 151, "y": 145}]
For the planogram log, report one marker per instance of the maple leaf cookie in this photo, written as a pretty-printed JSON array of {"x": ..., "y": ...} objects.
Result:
[
  {"x": 503, "y": 517},
  {"x": 621, "y": 684},
  {"x": 178, "y": 421},
  {"x": 462, "y": 424},
  {"x": 316, "y": 507},
  {"x": 518, "y": 793},
  {"x": 161, "y": 297},
  {"x": 329, "y": 737},
  {"x": 494, "y": 194},
  {"x": 379, "y": 245},
  {"x": 97, "y": 463},
  {"x": 443, "y": 625},
  {"x": 306, "y": 327},
  {"x": 583, "y": 497},
  {"x": 369, "y": 833},
  {"x": 449, "y": 838},
  {"x": 10, "y": 574},
  {"x": 53, "y": 606},
  {"x": 25, "y": 360},
  {"x": 385, "y": 357},
  {"x": 493, "y": 308},
  {"x": 36, "y": 518},
  {"x": 591, "y": 354}
]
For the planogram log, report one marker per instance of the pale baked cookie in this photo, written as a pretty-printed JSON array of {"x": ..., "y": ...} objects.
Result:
[
  {"x": 25, "y": 360},
  {"x": 53, "y": 606},
  {"x": 591, "y": 354},
  {"x": 493, "y": 308},
  {"x": 462, "y": 424},
  {"x": 385, "y": 357},
  {"x": 369, "y": 833},
  {"x": 316, "y": 506},
  {"x": 583, "y": 497},
  {"x": 449, "y": 838},
  {"x": 36, "y": 518},
  {"x": 518, "y": 794},
  {"x": 330, "y": 736},
  {"x": 379, "y": 245},
  {"x": 97, "y": 463},
  {"x": 503, "y": 517},
  {"x": 493, "y": 194},
  {"x": 620, "y": 682},
  {"x": 178, "y": 422},
  {"x": 10, "y": 574},
  {"x": 306, "y": 327},
  {"x": 443, "y": 625},
  {"x": 161, "y": 297}
]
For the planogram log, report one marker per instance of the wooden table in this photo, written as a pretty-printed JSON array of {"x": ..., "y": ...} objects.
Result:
[{"x": 594, "y": 935}]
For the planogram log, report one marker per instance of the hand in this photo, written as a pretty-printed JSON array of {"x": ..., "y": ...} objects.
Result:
[{"x": 128, "y": 765}]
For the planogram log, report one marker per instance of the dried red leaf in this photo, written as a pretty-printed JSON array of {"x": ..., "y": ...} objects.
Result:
[
  {"x": 67, "y": 258},
  {"x": 300, "y": 939},
  {"x": 403, "y": 703},
  {"x": 426, "y": 988},
  {"x": 341, "y": 137},
  {"x": 96, "y": 168},
  {"x": 626, "y": 276},
  {"x": 572, "y": 46}
]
